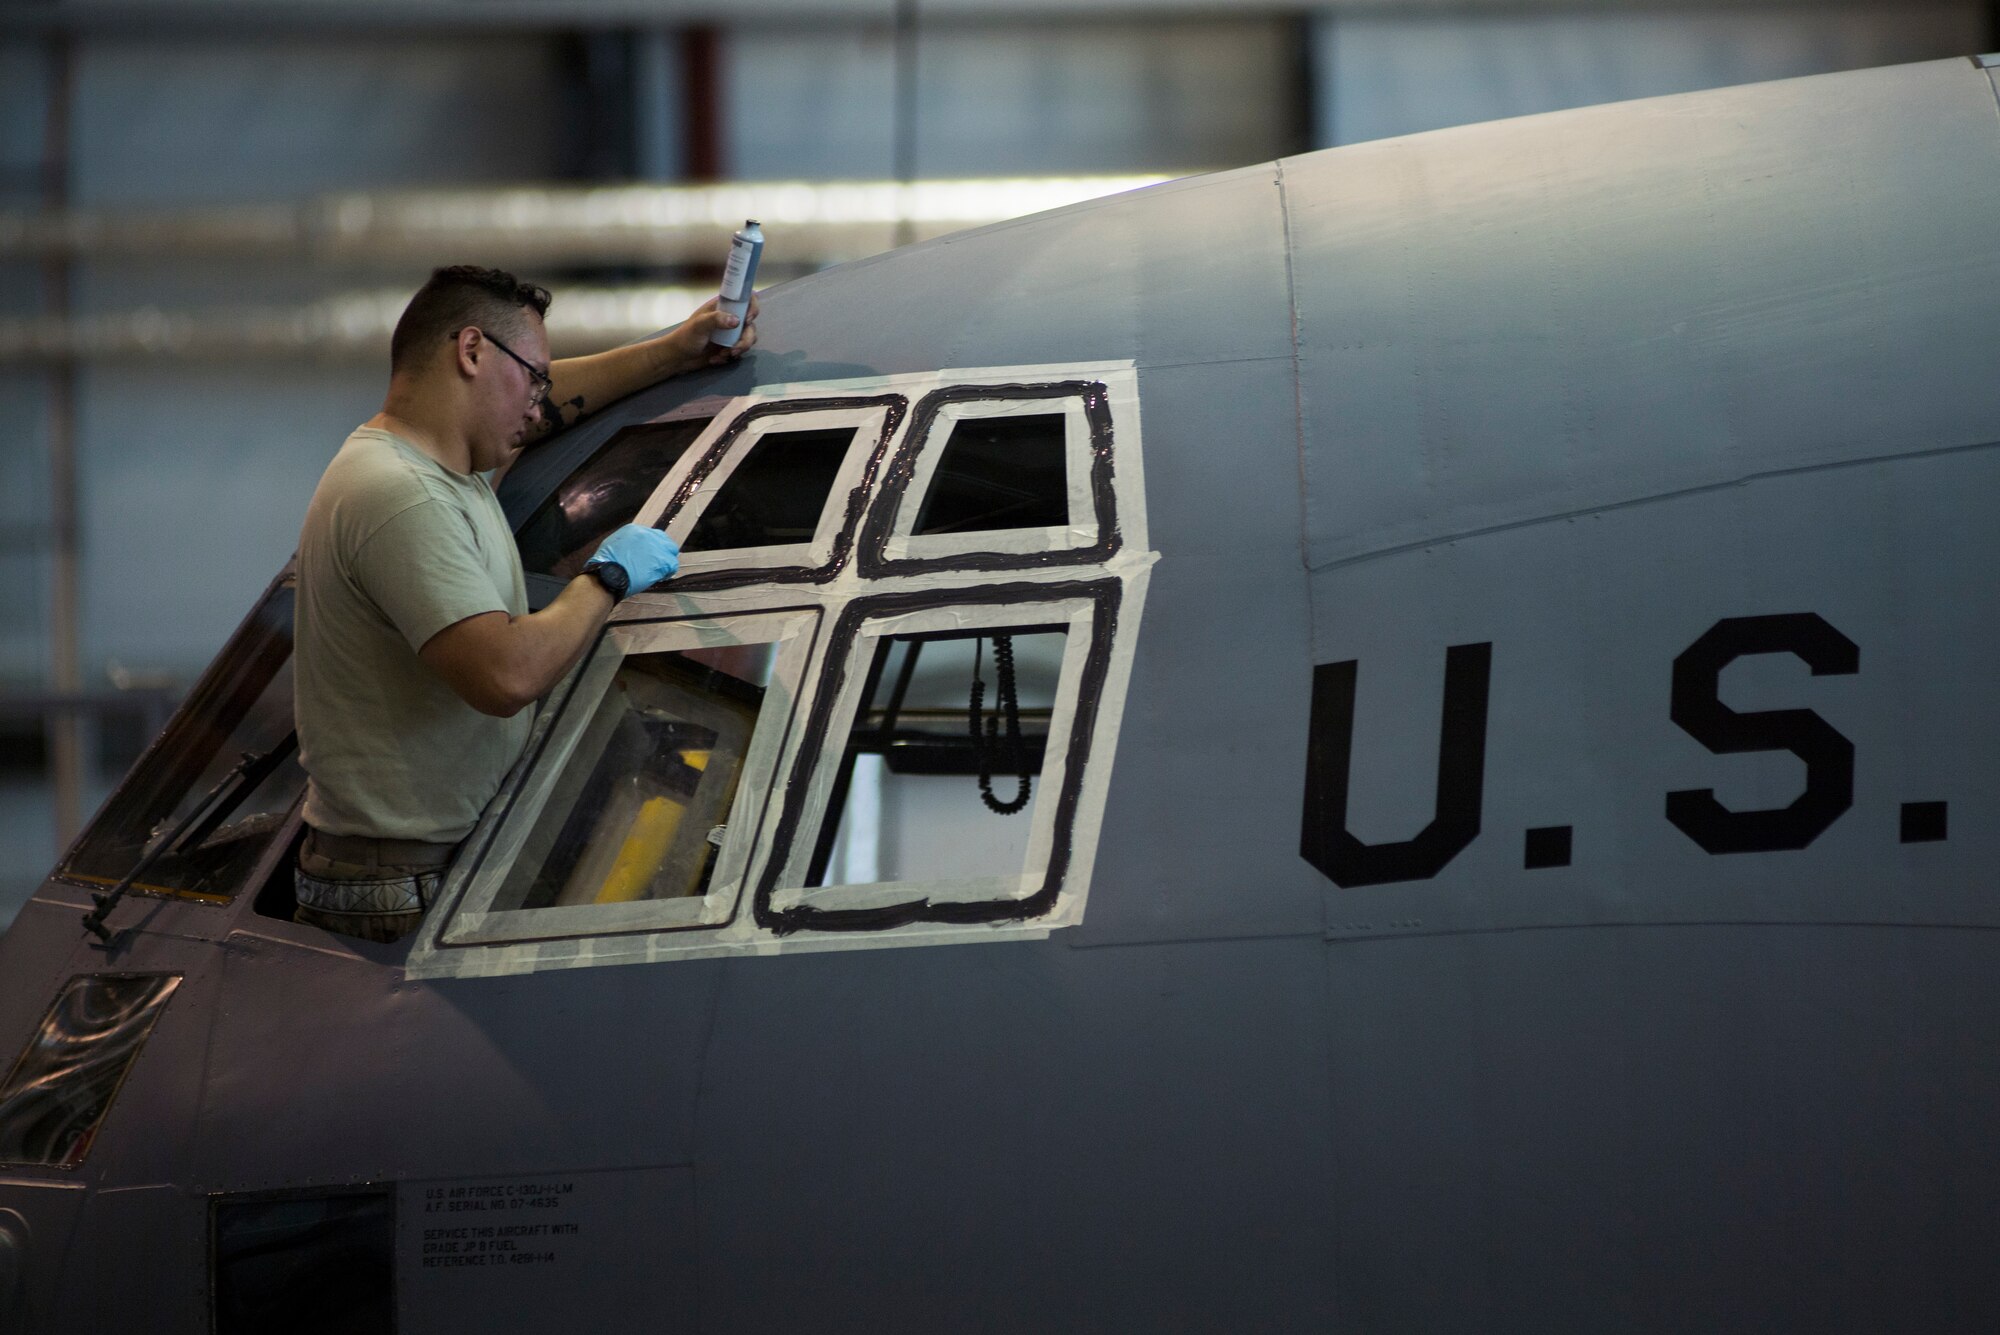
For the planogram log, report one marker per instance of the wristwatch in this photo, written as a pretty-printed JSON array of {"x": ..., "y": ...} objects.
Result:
[{"x": 612, "y": 576}]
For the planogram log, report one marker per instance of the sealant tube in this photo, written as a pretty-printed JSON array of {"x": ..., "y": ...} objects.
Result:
[{"x": 739, "y": 279}]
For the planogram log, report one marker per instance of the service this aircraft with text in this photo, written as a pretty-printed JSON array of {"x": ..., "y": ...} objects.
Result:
[{"x": 1499, "y": 629}]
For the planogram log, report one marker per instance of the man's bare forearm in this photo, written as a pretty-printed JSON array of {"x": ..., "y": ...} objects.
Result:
[
  {"x": 548, "y": 643},
  {"x": 500, "y": 664},
  {"x": 582, "y": 385}
]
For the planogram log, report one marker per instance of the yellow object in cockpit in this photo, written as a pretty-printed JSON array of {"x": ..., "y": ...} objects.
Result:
[{"x": 647, "y": 843}]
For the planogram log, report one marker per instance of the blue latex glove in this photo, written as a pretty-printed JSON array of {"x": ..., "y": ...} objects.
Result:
[{"x": 649, "y": 556}]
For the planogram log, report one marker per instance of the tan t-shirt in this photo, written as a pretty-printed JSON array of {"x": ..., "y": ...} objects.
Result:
[{"x": 395, "y": 548}]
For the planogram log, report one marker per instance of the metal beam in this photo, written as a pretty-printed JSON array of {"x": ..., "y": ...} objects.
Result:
[
  {"x": 813, "y": 223},
  {"x": 701, "y": 104},
  {"x": 148, "y": 17},
  {"x": 353, "y": 327}
]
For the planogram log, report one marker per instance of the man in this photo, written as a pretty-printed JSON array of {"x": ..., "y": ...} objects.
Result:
[{"x": 416, "y": 653}]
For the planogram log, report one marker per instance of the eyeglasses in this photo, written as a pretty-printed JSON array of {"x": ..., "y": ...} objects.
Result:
[{"x": 536, "y": 374}]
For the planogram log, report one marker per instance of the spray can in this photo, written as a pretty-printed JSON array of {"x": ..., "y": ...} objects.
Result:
[{"x": 739, "y": 278}]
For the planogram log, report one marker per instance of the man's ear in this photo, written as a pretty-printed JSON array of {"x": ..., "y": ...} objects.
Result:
[{"x": 465, "y": 350}]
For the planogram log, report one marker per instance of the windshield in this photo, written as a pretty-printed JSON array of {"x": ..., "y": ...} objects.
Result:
[
  {"x": 242, "y": 708},
  {"x": 603, "y": 494}
]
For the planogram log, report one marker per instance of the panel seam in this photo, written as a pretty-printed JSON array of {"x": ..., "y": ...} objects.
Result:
[
  {"x": 1299, "y": 427},
  {"x": 1743, "y": 480},
  {"x": 1298, "y": 390},
  {"x": 1655, "y": 924}
]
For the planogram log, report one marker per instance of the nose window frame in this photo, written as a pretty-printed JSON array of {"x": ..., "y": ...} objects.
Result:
[
  {"x": 487, "y": 868},
  {"x": 1088, "y": 609},
  {"x": 1095, "y": 532},
  {"x": 684, "y": 495},
  {"x": 1091, "y": 585}
]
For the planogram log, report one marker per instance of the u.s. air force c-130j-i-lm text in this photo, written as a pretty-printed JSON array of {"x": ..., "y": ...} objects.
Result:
[{"x": 1477, "y": 811}]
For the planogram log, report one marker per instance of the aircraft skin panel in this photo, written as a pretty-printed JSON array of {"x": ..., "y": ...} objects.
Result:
[
  {"x": 1067, "y": 287},
  {"x": 146, "y": 1267},
  {"x": 478, "y": 1252},
  {"x": 1552, "y": 315},
  {"x": 405, "y": 1082},
  {"x": 40, "y": 942},
  {"x": 1221, "y": 711},
  {"x": 39, "y": 1213},
  {"x": 132, "y": 1182},
  {"x": 1586, "y": 620},
  {"x": 1138, "y": 1144},
  {"x": 1694, "y": 1128},
  {"x": 1098, "y": 281},
  {"x": 254, "y": 1129}
]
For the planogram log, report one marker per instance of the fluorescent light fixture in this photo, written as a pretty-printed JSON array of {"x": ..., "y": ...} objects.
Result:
[{"x": 818, "y": 222}]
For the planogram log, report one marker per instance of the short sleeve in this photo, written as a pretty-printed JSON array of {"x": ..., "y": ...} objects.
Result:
[{"x": 423, "y": 570}]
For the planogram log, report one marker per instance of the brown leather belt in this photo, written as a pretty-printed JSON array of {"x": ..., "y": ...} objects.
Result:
[{"x": 364, "y": 851}]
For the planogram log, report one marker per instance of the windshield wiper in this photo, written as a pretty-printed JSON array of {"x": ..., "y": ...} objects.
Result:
[{"x": 243, "y": 778}]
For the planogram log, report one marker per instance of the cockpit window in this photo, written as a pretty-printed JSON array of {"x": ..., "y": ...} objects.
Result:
[
  {"x": 778, "y": 490},
  {"x": 998, "y": 472},
  {"x": 941, "y": 828},
  {"x": 650, "y": 785},
  {"x": 646, "y": 809},
  {"x": 605, "y": 493},
  {"x": 997, "y": 477},
  {"x": 62, "y": 1084},
  {"x": 225, "y": 768},
  {"x": 776, "y": 495},
  {"x": 949, "y": 735}
]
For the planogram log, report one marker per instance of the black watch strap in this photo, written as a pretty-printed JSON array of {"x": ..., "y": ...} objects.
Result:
[{"x": 612, "y": 576}]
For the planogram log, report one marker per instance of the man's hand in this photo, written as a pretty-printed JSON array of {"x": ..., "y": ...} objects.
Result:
[
  {"x": 582, "y": 385},
  {"x": 647, "y": 555},
  {"x": 687, "y": 343}
]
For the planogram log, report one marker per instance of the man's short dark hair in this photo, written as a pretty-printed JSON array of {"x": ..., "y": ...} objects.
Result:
[{"x": 457, "y": 296}]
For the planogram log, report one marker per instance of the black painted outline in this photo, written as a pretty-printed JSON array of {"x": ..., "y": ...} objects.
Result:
[
  {"x": 875, "y": 562},
  {"x": 857, "y": 498},
  {"x": 1105, "y": 595}
]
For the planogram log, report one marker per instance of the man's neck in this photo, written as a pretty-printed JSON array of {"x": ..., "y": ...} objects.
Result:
[{"x": 449, "y": 449}]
